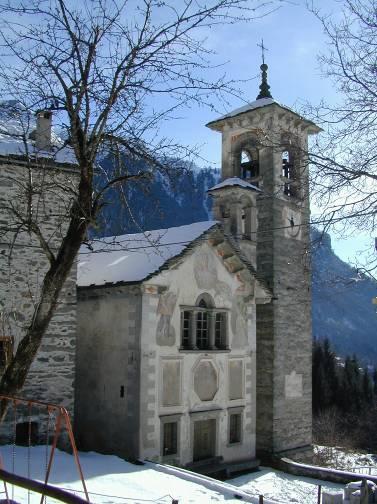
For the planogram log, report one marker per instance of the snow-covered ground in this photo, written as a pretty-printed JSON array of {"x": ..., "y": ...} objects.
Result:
[
  {"x": 283, "y": 487},
  {"x": 339, "y": 458},
  {"x": 112, "y": 480}
]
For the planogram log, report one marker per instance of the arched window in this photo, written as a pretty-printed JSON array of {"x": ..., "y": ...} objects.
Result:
[
  {"x": 203, "y": 326},
  {"x": 248, "y": 223},
  {"x": 288, "y": 173},
  {"x": 243, "y": 221},
  {"x": 249, "y": 163}
]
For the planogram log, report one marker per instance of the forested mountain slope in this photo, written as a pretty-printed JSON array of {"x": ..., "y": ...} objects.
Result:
[{"x": 342, "y": 303}]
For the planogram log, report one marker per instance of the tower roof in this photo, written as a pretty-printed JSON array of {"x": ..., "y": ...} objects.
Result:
[
  {"x": 234, "y": 181},
  {"x": 260, "y": 103},
  {"x": 264, "y": 100}
]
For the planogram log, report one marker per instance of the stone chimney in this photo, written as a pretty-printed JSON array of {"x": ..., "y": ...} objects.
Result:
[{"x": 43, "y": 130}]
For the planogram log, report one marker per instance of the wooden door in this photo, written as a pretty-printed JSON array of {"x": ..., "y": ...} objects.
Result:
[{"x": 204, "y": 439}]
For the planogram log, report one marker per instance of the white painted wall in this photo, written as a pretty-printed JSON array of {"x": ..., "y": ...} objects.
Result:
[{"x": 201, "y": 268}]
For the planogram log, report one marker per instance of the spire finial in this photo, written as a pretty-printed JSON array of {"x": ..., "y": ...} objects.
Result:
[
  {"x": 263, "y": 48},
  {"x": 264, "y": 87}
]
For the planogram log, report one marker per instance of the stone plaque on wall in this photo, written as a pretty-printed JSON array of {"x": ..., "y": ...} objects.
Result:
[
  {"x": 205, "y": 380},
  {"x": 171, "y": 383},
  {"x": 235, "y": 379},
  {"x": 293, "y": 385}
]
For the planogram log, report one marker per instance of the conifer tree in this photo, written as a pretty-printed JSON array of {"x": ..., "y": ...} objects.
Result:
[{"x": 367, "y": 388}]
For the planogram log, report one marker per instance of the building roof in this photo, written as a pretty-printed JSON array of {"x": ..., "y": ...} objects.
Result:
[
  {"x": 234, "y": 181},
  {"x": 257, "y": 104},
  {"x": 261, "y": 102},
  {"x": 16, "y": 126},
  {"x": 135, "y": 257}
]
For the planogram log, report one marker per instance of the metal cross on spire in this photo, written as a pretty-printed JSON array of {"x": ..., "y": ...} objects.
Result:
[
  {"x": 264, "y": 87},
  {"x": 264, "y": 48}
]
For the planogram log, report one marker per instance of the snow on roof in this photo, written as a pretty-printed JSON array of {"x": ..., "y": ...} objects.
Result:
[
  {"x": 16, "y": 124},
  {"x": 234, "y": 181},
  {"x": 133, "y": 257},
  {"x": 262, "y": 102}
]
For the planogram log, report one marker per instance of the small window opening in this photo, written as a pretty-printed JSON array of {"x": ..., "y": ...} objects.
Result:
[
  {"x": 243, "y": 222},
  {"x": 235, "y": 428},
  {"x": 27, "y": 433},
  {"x": 225, "y": 213},
  {"x": 170, "y": 438},
  {"x": 288, "y": 174},
  {"x": 249, "y": 163}
]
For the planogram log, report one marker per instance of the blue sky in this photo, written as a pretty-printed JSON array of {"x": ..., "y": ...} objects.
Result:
[{"x": 294, "y": 39}]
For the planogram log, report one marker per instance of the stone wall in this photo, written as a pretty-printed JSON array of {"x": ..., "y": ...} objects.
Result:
[
  {"x": 22, "y": 269},
  {"x": 284, "y": 340}
]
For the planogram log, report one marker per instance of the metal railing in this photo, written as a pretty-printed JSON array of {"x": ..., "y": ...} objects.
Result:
[
  {"x": 38, "y": 487},
  {"x": 367, "y": 469}
]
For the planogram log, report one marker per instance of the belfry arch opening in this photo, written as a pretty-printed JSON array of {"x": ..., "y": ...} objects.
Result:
[
  {"x": 249, "y": 163},
  {"x": 288, "y": 173},
  {"x": 248, "y": 220}
]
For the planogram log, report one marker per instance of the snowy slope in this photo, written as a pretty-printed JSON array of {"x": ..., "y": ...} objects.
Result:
[{"x": 110, "y": 479}]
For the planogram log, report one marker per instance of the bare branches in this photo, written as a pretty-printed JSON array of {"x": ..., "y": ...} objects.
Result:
[
  {"x": 112, "y": 71},
  {"x": 344, "y": 159}
]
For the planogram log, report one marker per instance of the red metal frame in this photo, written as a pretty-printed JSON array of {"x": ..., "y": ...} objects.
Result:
[{"x": 62, "y": 415}]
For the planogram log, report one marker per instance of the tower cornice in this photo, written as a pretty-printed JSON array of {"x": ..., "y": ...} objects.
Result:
[{"x": 255, "y": 111}]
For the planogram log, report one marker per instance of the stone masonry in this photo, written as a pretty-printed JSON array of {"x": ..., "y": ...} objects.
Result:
[
  {"x": 22, "y": 268},
  {"x": 265, "y": 144}
]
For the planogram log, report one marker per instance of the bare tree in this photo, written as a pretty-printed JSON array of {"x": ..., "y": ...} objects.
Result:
[
  {"x": 111, "y": 71},
  {"x": 344, "y": 159}
]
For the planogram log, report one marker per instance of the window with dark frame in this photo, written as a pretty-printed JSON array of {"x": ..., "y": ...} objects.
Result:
[
  {"x": 235, "y": 421},
  {"x": 220, "y": 330},
  {"x": 202, "y": 336},
  {"x": 186, "y": 327},
  {"x": 170, "y": 438},
  {"x": 203, "y": 328}
]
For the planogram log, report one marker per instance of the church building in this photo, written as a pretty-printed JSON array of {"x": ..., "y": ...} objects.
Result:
[{"x": 199, "y": 337}]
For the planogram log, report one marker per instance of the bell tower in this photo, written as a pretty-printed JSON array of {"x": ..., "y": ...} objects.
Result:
[{"x": 264, "y": 146}]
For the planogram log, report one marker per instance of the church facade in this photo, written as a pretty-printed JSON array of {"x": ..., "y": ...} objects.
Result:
[
  {"x": 172, "y": 350},
  {"x": 203, "y": 353}
]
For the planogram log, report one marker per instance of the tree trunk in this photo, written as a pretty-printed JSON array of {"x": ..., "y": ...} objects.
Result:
[{"x": 15, "y": 374}]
